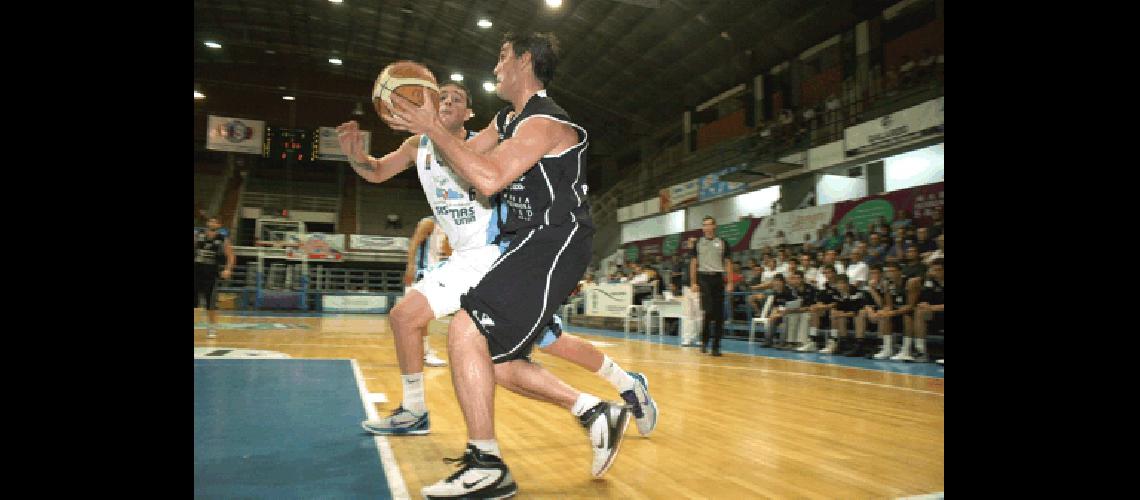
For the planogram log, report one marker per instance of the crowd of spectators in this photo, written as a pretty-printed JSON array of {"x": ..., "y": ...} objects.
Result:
[
  {"x": 824, "y": 121},
  {"x": 893, "y": 269}
]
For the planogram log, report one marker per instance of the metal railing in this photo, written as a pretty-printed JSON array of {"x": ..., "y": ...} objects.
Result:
[{"x": 295, "y": 202}]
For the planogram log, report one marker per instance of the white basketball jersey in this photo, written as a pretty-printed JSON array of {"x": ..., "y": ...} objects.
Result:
[{"x": 464, "y": 214}]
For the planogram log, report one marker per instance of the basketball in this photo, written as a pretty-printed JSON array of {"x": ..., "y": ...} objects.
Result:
[{"x": 410, "y": 80}]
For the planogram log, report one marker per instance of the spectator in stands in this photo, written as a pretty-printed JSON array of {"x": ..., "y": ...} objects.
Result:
[
  {"x": 877, "y": 250},
  {"x": 936, "y": 223},
  {"x": 799, "y": 314},
  {"x": 929, "y": 313},
  {"x": 834, "y": 120},
  {"x": 834, "y": 241},
  {"x": 926, "y": 65},
  {"x": 857, "y": 271},
  {"x": 924, "y": 242},
  {"x": 831, "y": 259},
  {"x": 781, "y": 240},
  {"x": 848, "y": 308},
  {"x": 937, "y": 254},
  {"x": 781, "y": 296},
  {"x": 680, "y": 273},
  {"x": 763, "y": 280},
  {"x": 902, "y": 219},
  {"x": 809, "y": 268},
  {"x": 897, "y": 251},
  {"x": 906, "y": 71},
  {"x": 896, "y": 312},
  {"x": 783, "y": 261},
  {"x": 750, "y": 270},
  {"x": 849, "y": 245},
  {"x": 912, "y": 266},
  {"x": 821, "y": 238}
]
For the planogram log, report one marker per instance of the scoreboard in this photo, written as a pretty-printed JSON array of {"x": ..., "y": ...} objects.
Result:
[{"x": 289, "y": 143}]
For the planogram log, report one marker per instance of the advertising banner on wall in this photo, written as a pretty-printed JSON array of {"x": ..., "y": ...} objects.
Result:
[
  {"x": 680, "y": 194},
  {"x": 236, "y": 135},
  {"x": 712, "y": 187},
  {"x": 328, "y": 147},
  {"x": 919, "y": 201},
  {"x": 355, "y": 303},
  {"x": 794, "y": 224},
  {"x": 608, "y": 299},
  {"x": 366, "y": 242},
  {"x": 894, "y": 127}
]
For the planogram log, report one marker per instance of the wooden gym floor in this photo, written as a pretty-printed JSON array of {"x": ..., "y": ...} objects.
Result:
[{"x": 738, "y": 426}]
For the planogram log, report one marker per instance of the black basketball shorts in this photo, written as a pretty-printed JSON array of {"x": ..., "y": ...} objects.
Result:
[
  {"x": 205, "y": 277},
  {"x": 515, "y": 301}
]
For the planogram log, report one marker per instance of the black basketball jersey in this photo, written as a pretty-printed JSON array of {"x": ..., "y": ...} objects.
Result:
[
  {"x": 853, "y": 300},
  {"x": 782, "y": 297},
  {"x": 932, "y": 292},
  {"x": 806, "y": 295},
  {"x": 209, "y": 251},
  {"x": 826, "y": 296},
  {"x": 553, "y": 191},
  {"x": 897, "y": 294}
]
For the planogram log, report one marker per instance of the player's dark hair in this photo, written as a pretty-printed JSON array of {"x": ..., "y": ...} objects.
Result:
[
  {"x": 543, "y": 48},
  {"x": 461, "y": 87}
]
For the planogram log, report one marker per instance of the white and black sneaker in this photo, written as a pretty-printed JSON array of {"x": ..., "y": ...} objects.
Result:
[
  {"x": 481, "y": 475},
  {"x": 642, "y": 404},
  {"x": 605, "y": 424},
  {"x": 399, "y": 422}
]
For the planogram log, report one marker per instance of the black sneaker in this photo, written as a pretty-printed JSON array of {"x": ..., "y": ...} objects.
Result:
[
  {"x": 704, "y": 349},
  {"x": 855, "y": 352},
  {"x": 481, "y": 475},
  {"x": 717, "y": 353},
  {"x": 605, "y": 425},
  {"x": 921, "y": 357}
]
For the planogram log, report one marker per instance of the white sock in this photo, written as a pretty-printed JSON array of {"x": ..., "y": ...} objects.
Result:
[
  {"x": 813, "y": 331},
  {"x": 920, "y": 344},
  {"x": 489, "y": 446},
  {"x": 834, "y": 333},
  {"x": 906, "y": 344},
  {"x": 585, "y": 402},
  {"x": 427, "y": 348},
  {"x": 414, "y": 393},
  {"x": 615, "y": 375},
  {"x": 888, "y": 343}
]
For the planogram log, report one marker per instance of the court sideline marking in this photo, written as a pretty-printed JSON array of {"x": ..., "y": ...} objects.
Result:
[
  {"x": 768, "y": 370},
  {"x": 387, "y": 458}
]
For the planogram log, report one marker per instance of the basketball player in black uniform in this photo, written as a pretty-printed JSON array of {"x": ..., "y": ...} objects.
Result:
[
  {"x": 930, "y": 313},
  {"x": 821, "y": 309},
  {"x": 849, "y": 308},
  {"x": 212, "y": 249},
  {"x": 531, "y": 157},
  {"x": 894, "y": 314},
  {"x": 781, "y": 295}
]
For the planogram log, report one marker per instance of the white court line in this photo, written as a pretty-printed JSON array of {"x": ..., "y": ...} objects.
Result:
[
  {"x": 760, "y": 355},
  {"x": 929, "y": 496},
  {"x": 387, "y": 458},
  {"x": 766, "y": 370}
]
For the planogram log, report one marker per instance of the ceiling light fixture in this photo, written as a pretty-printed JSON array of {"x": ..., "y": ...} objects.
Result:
[
  {"x": 456, "y": 77},
  {"x": 483, "y": 23}
]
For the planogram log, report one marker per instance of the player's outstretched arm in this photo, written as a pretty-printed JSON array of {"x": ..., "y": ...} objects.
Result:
[{"x": 374, "y": 169}]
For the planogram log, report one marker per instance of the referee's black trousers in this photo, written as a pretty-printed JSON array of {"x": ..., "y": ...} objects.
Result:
[{"x": 712, "y": 303}]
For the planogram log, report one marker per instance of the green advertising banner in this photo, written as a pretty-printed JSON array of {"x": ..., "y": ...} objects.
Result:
[
  {"x": 734, "y": 232},
  {"x": 867, "y": 213},
  {"x": 670, "y": 244}
]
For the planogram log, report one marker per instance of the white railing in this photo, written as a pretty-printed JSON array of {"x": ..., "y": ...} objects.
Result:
[{"x": 296, "y": 202}]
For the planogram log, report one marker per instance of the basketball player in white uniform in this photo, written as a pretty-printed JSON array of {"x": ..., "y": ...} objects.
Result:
[
  {"x": 427, "y": 250},
  {"x": 472, "y": 228}
]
